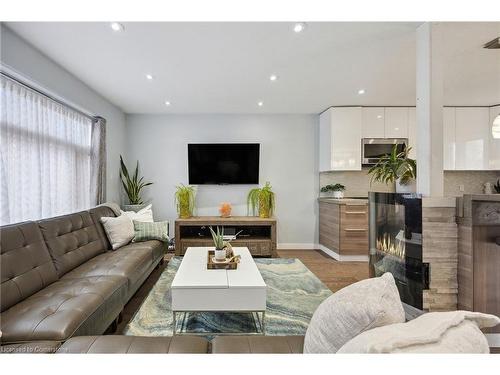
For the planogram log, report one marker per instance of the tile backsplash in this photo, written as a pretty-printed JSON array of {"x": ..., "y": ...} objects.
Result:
[{"x": 357, "y": 183}]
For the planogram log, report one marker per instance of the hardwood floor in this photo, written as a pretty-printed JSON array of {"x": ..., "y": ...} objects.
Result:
[{"x": 333, "y": 274}]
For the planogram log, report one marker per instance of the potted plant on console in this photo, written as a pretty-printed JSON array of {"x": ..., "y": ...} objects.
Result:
[
  {"x": 133, "y": 186},
  {"x": 184, "y": 200},
  {"x": 337, "y": 190},
  {"x": 262, "y": 200},
  {"x": 396, "y": 168}
]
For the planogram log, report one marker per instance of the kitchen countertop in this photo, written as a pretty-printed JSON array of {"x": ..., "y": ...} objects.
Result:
[{"x": 345, "y": 201}]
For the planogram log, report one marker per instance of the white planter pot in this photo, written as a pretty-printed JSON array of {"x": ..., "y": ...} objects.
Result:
[
  {"x": 411, "y": 187},
  {"x": 134, "y": 207},
  {"x": 220, "y": 254},
  {"x": 338, "y": 194}
]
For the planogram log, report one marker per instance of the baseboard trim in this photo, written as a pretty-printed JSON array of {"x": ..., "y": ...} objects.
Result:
[
  {"x": 493, "y": 339},
  {"x": 343, "y": 258},
  {"x": 297, "y": 246}
]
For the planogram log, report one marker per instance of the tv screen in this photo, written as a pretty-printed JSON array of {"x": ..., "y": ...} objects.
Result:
[{"x": 223, "y": 163}]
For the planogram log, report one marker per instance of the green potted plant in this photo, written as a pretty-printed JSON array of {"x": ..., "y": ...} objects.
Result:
[
  {"x": 262, "y": 200},
  {"x": 337, "y": 190},
  {"x": 221, "y": 245},
  {"x": 184, "y": 200},
  {"x": 133, "y": 186},
  {"x": 396, "y": 168}
]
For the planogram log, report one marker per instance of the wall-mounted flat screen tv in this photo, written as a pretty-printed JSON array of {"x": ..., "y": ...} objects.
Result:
[{"x": 223, "y": 163}]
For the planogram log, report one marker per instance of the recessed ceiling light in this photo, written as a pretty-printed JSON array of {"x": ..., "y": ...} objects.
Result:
[
  {"x": 260, "y": 104},
  {"x": 116, "y": 26},
  {"x": 149, "y": 76},
  {"x": 167, "y": 103},
  {"x": 361, "y": 91},
  {"x": 379, "y": 116},
  {"x": 299, "y": 27},
  {"x": 273, "y": 77}
]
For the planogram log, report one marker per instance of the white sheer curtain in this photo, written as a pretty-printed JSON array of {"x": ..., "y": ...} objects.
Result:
[{"x": 45, "y": 161}]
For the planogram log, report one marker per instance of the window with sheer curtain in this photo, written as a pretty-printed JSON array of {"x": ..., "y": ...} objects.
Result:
[{"x": 51, "y": 156}]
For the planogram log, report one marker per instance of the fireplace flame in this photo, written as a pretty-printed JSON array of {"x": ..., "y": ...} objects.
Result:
[{"x": 391, "y": 246}]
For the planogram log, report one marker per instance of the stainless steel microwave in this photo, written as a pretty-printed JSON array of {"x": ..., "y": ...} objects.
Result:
[{"x": 374, "y": 148}]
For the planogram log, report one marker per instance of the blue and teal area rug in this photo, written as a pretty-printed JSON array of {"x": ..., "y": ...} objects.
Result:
[{"x": 293, "y": 293}]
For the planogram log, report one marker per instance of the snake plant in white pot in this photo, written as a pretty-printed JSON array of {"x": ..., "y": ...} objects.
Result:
[{"x": 133, "y": 186}]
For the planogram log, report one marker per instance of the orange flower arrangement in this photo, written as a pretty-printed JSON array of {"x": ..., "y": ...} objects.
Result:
[{"x": 225, "y": 209}]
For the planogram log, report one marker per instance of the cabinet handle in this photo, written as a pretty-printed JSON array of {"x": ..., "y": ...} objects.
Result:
[
  {"x": 355, "y": 229},
  {"x": 356, "y": 212}
]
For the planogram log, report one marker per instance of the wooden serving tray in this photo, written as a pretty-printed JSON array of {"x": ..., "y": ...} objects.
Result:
[{"x": 219, "y": 266}]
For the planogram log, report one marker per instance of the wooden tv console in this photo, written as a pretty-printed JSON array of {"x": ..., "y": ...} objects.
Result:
[{"x": 258, "y": 234}]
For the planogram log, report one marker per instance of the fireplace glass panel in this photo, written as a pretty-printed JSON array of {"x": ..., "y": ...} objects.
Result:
[{"x": 396, "y": 243}]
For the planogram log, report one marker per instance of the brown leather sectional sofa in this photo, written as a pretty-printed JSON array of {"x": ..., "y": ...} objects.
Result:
[
  {"x": 62, "y": 286},
  {"x": 60, "y": 278},
  {"x": 163, "y": 345}
]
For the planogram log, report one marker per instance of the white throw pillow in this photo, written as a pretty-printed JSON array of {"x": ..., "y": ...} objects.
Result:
[
  {"x": 436, "y": 332},
  {"x": 144, "y": 215},
  {"x": 119, "y": 230},
  {"x": 352, "y": 310}
]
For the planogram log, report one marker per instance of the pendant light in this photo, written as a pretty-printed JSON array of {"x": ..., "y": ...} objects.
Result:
[{"x": 495, "y": 127}]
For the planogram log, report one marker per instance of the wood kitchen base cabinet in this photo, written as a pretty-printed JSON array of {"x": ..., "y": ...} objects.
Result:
[
  {"x": 479, "y": 257},
  {"x": 258, "y": 234},
  {"x": 343, "y": 228}
]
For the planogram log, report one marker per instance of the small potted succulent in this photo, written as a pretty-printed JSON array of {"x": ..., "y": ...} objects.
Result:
[
  {"x": 337, "y": 190},
  {"x": 497, "y": 186},
  {"x": 133, "y": 186},
  {"x": 262, "y": 200},
  {"x": 221, "y": 246},
  {"x": 184, "y": 200}
]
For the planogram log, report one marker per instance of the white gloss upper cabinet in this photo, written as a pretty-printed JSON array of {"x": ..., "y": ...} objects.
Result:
[
  {"x": 396, "y": 122},
  {"x": 340, "y": 139},
  {"x": 373, "y": 123},
  {"x": 412, "y": 132},
  {"x": 472, "y": 136},
  {"x": 494, "y": 159},
  {"x": 449, "y": 144}
]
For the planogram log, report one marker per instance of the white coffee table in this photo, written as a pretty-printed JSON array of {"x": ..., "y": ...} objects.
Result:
[{"x": 198, "y": 289}]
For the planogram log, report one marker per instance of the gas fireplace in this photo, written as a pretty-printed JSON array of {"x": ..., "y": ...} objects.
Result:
[{"x": 396, "y": 243}]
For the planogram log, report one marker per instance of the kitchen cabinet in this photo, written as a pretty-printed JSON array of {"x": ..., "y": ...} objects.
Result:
[
  {"x": 343, "y": 227},
  {"x": 449, "y": 138},
  {"x": 412, "y": 132},
  {"x": 340, "y": 139},
  {"x": 472, "y": 138},
  {"x": 373, "y": 125},
  {"x": 396, "y": 122}
]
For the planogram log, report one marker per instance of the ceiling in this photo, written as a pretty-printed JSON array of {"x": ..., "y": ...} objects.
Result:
[{"x": 225, "y": 67}]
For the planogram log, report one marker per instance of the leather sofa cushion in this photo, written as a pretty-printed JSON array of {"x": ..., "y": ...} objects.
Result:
[
  {"x": 135, "y": 344},
  {"x": 35, "y": 347},
  {"x": 97, "y": 213},
  {"x": 26, "y": 266},
  {"x": 258, "y": 344},
  {"x": 125, "y": 262},
  {"x": 156, "y": 248},
  {"x": 57, "y": 311},
  {"x": 72, "y": 240}
]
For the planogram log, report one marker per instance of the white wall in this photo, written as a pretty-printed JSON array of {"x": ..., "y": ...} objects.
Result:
[
  {"x": 21, "y": 57},
  {"x": 288, "y": 161}
]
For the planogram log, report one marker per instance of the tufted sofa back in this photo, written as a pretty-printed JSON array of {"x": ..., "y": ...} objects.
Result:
[
  {"x": 71, "y": 240},
  {"x": 97, "y": 213},
  {"x": 26, "y": 266}
]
